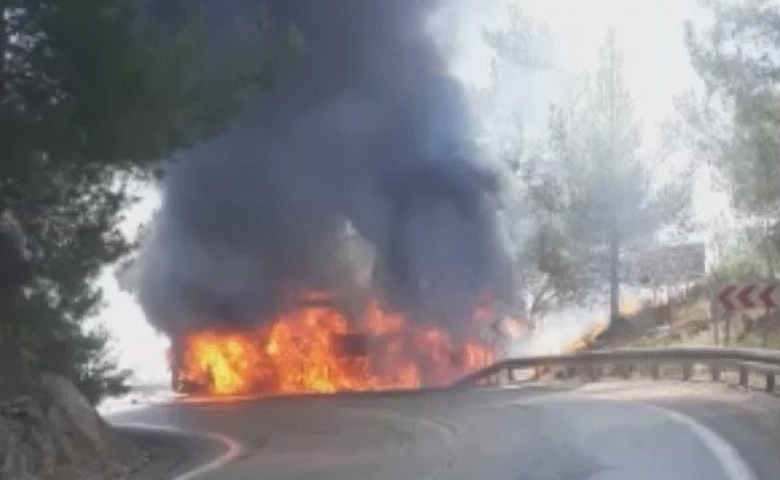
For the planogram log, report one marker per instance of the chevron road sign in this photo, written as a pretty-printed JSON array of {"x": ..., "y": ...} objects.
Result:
[{"x": 732, "y": 298}]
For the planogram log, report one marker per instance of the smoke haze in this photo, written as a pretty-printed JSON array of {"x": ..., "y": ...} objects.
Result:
[{"x": 369, "y": 131}]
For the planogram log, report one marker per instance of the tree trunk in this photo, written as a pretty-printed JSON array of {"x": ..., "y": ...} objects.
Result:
[
  {"x": 614, "y": 228},
  {"x": 614, "y": 269},
  {"x": 12, "y": 367}
]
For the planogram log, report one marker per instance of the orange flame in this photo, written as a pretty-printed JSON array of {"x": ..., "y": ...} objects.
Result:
[
  {"x": 308, "y": 350},
  {"x": 629, "y": 306}
]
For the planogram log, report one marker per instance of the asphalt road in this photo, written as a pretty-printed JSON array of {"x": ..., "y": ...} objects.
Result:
[{"x": 599, "y": 432}]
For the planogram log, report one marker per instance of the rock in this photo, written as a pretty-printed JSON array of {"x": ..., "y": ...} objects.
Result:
[{"x": 52, "y": 432}]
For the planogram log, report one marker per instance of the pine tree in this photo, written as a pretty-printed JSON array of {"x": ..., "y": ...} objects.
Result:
[
  {"x": 90, "y": 98},
  {"x": 599, "y": 193}
]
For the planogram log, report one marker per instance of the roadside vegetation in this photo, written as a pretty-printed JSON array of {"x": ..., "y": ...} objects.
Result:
[
  {"x": 92, "y": 95},
  {"x": 590, "y": 184}
]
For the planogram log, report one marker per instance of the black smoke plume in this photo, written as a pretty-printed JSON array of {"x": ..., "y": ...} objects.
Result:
[{"x": 368, "y": 130}]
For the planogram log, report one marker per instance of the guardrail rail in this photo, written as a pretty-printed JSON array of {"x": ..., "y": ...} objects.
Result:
[{"x": 743, "y": 361}]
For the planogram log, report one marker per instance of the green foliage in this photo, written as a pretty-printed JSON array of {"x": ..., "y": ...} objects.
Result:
[
  {"x": 521, "y": 57},
  {"x": 734, "y": 128},
  {"x": 525, "y": 43},
  {"x": 736, "y": 58},
  {"x": 88, "y": 99},
  {"x": 745, "y": 255},
  {"x": 589, "y": 185},
  {"x": 596, "y": 147}
]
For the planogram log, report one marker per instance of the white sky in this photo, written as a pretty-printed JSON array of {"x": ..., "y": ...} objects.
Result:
[
  {"x": 138, "y": 346},
  {"x": 649, "y": 32}
]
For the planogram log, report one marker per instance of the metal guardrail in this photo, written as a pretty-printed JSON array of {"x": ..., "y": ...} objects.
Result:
[{"x": 744, "y": 360}]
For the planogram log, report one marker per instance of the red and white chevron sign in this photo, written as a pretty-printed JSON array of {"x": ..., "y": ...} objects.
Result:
[{"x": 731, "y": 298}]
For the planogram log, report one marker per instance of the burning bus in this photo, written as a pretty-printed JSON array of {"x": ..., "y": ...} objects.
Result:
[
  {"x": 370, "y": 129},
  {"x": 316, "y": 348}
]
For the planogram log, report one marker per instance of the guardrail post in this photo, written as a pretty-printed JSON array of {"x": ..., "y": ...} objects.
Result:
[
  {"x": 624, "y": 371},
  {"x": 687, "y": 372},
  {"x": 770, "y": 382},
  {"x": 655, "y": 371},
  {"x": 510, "y": 375},
  {"x": 716, "y": 373},
  {"x": 743, "y": 376}
]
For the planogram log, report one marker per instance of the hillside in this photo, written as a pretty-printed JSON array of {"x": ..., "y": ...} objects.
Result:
[
  {"x": 685, "y": 321},
  {"x": 48, "y": 430},
  {"x": 689, "y": 321}
]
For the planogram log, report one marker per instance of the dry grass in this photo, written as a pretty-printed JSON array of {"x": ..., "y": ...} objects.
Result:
[
  {"x": 686, "y": 322},
  {"x": 690, "y": 322}
]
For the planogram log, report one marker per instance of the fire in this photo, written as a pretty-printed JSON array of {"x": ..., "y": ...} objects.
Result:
[
  {"x": 628, "y": 307},
  {"x": 586, "y": 339},
  {"x": 316, "y": 349}
]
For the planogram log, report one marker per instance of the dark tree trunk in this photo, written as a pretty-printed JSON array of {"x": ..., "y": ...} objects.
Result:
[{"x": 614, "y": 270}]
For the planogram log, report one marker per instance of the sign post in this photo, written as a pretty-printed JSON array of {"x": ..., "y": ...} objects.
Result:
[
  {"x": 716, "y": 328},
  {"x": 727, "y": 333},
  {"x": 729, "y": 299},
  {"x": 765, "y": 331},
  {"x": 714, "y": 314},
  {"x": 671, "y": 265}
]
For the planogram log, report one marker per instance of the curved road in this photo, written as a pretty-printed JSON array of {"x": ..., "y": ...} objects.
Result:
[{"x": 598, "y": 432}]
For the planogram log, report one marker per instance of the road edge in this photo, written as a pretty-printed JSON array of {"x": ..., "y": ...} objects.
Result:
[
  {"x": 232, "y": 449},
  {"x": 730, "y": 460}
]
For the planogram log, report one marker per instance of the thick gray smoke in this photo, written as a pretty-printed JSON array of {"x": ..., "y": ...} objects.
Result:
[{"x": 369, "y": 130}]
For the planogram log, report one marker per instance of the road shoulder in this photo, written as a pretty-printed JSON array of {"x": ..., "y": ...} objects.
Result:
[{"x": 171, "y": 454}]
